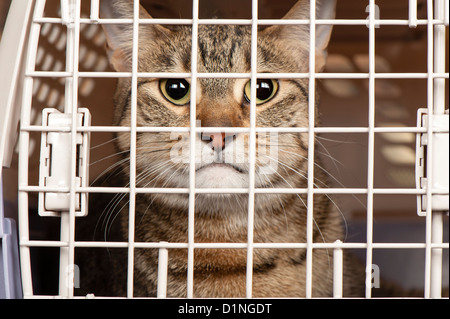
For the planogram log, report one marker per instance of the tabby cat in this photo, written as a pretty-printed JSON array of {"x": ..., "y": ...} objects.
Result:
[{"x": 162, "y": 160}]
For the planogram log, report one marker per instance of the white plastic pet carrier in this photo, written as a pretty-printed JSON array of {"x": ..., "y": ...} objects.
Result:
[{"x": 384, "y": 132}]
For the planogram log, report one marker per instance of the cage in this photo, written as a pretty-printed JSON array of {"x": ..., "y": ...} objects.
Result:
[{"x": 383, "y": 138}]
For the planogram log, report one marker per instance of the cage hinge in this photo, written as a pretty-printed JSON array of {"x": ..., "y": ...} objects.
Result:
[
  {"x": 56, "y": 160},
  {"x": 439, "y": 159}
]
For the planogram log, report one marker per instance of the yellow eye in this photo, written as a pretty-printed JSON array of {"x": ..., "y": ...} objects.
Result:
[
  {"x": 176, "y": 91},
  {"x": 265, "y": 90}
]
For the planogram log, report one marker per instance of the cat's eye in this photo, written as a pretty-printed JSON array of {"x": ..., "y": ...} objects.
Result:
[
  {"x": 265, "y": 90},
  {"x": 176, "y": 91}
]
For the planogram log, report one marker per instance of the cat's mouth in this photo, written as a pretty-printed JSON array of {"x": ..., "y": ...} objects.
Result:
[{"x": 219, "y": 166}]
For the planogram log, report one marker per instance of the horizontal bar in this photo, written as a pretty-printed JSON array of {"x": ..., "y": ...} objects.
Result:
[
  {"x": 236, "y": 130},
  {"x": 362, "y": 22},
  {"x": 348, "y": 245},
  {"x": 362, "y": 191},
  {"x": 43, "y": 243},
  {"x": 105, "y": 244},
  {"x": 63, "y": 74}
]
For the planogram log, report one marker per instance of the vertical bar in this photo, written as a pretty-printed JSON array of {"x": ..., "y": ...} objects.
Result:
[
  {"x": 70, "y": 12},
  {"x": 439, "y": 57},
  {"x": 429, "y": 168},
  {"x": 70, "y": 52},
  {"x": 162, "y": 272},
  {"x": 94, "y": 10},
  {"x": 252, "y": 150},
  {"x": 73, "y": 183},
  {"x": 412, "y": 13},
  {"x": 437, "y": 225},
  {"x": 371, "y": 147},
  {"x": 133, "y": 134},
  {"x": 338, "y": 270},
  {"x": 65, "y": 12},
  {"x": 311, "y": 148},
  {"x": 64, "y": 256},
  {"x": 27, "y": 95},
  {"x": 438, "y": 108},
  {"x": 192, "y": 136},
  {"x": 25, "y": 261},
  {"x": 446, "y": 13},
  {"x": 68, "y": 219}
]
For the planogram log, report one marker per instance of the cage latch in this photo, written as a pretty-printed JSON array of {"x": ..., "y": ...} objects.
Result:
[
  {"x": 440, "y": 162},
  {"x": 56, "y": 162}
]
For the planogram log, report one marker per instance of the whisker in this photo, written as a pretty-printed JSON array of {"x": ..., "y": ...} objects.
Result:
[
  {"x": 331, "y": 157},
  {"x": 104, "y": 143},
  {"x": 128, "y": 151},
  {"x": 113, "y": 204},
  {"x": 108, "y": 157},
  {"x": 328, "y": 173},
  {"x": 115, "y": 166},
  {"x": 299, "y": 172},
  {"x": 303, "y": 202},
  {"x": 156, "y": 195},
  {"x": 317, "y": 165},
  {"x": 327, "y": 195},
  {"x": 281, "y": 202},
  {"x": 315, "y": 223},
  {"x": 334, "y": 141},
  {"x": 106, "y": 212}
]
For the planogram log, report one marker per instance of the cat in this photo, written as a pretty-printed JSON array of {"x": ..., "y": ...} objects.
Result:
[{"x": 162, "y": 160}]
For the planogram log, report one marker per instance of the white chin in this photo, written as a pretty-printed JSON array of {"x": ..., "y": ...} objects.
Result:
[{"x": 220, "y": 176}]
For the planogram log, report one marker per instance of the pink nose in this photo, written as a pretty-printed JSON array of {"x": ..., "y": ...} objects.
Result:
[{"x": 218, "y": 140}]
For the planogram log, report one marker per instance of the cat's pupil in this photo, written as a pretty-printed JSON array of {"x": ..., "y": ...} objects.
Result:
[
  {"x": 177, "y": 89},
  {"x": 264, "y": 89}
]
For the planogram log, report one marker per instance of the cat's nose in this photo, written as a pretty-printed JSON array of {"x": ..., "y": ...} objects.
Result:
[{"x": 218, "y": 140}]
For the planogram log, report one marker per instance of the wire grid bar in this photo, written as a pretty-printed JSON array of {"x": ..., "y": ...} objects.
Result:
[
  {"x": 73, "y": 74},
  {"x": 316, "y": 130},
  {"x": 93, "y": 244},
  {"x": 356, "y": 22},
  {"x": 192, "y": 140},
  {"x": 315, "y": 190},
  {"x": 133, "y": 138},
  {"x": 311, "y": 150},
  {"x": 67, "y": 257},
  {"x": 252, "y": 152},
  {"x": 356, "y": 75},
  {"x": 371, "y": 146},
  {"x": 440, "y": 11},
  {"x": 436, "y": 105},
  {"x": 430, "y": 100}
]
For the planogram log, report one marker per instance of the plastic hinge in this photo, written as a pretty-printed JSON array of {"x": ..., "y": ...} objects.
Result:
[
  {"x": 55, "y": 162},
  {"x": 440, "y": 162}
]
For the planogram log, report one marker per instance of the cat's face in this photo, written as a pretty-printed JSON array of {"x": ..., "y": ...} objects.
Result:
[{"x": 221, "y": 158}]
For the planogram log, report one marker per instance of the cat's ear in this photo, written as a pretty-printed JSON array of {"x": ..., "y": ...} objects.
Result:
[
  {"x": 325, "y": 9},
  {"x": 119, "y": 37}
]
